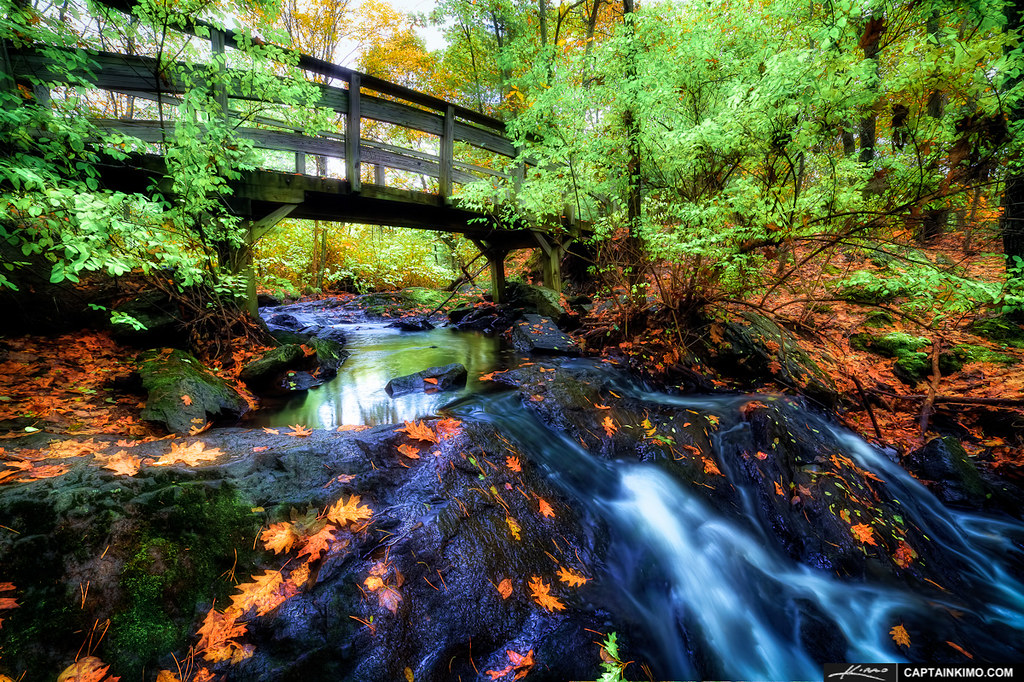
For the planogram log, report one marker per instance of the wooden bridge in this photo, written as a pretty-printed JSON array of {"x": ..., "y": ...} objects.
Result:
[{"x": 265, "y": 196}]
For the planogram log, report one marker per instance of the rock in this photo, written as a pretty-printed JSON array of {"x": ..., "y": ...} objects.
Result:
[
  {"x": 329, "y": 355},
  {"x": 168, "y": 375},
  {"x": 487, "y": 318},
  {"x": 911, "y": 365},
  {"x": 448, "y": 377},
  {"x": 758, "y": 346},
  {"x": 412, "y": 324},
  {"x": 538, "y": 334},
  {"x": 544, "y": 301},
  {"x": 943, "y": 465},
  {"x": 157, "y": 314},
  {"x": 268, "y": 301},
  {"x": 267, "y": 369}
]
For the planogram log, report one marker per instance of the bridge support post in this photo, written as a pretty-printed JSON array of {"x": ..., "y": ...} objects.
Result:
[
  {"x": 551, "y": 262},
  {"x": 239, "y": 260},
  {"x": 496, "y": 260}
]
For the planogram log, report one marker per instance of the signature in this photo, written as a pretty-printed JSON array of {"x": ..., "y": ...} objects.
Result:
[{"x": 861, "y": 672}]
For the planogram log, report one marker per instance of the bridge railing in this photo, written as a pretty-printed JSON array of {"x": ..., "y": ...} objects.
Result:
[{"x": 363, "y": 97}]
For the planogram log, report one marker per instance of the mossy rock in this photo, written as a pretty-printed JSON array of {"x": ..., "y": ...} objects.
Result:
[
  {"x": 911, "y": 365},
  {"x": 168, "y": 375},
  {"x": 870, "y": 289},
  {"x": 272, "y": 364},
  {"x": 1001, "y": 330},
  {"x": 877, "y": 318},
  {"x": 546, "y": 302},
  {"x": 423, "y": 296},
  {"x": 330, "y": 354},
  {"x": 948, "y": 470}
]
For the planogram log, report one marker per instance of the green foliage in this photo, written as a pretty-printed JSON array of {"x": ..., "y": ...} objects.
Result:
[{"x": 611, "y": 666}]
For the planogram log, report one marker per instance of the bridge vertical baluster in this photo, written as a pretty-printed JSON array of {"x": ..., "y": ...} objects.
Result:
[
  {"x": 352, "y": 135},
  {"x": 300, "y": 163},
  {"x": 447, "y": 153},
  {"x": 378, "y": 175},
  {"x": 220, "y": 92}
]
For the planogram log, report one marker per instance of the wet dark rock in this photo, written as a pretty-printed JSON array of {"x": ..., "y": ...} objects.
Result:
[
  {"x": 944, "y": 466},
  {"x": 487, "y": 318},
  {"x": 268, "y": 301},
  {"x": 412, "y": 325},
  {"x": 538, "y": 334},
  {"x": 267, "y": 369},
  {"x": 447, "y": 377},
  {"x": 755, "y": 348},
  {"x": 168, "y": 375}
]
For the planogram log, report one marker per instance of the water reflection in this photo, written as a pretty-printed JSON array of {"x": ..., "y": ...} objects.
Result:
[{"x": 379, "y": 354}]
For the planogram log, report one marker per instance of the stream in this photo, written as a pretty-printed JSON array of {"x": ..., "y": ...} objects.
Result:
[{"x": 710, "y": 587}]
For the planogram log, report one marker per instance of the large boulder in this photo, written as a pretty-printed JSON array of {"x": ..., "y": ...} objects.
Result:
[
  {"x": 443, "y": 378},
  {"x": 539, "y": 334},
  {"x": 149, "y": 319},
  {"x": 754, "y": 347},
  {"x": 944, "y": 466},
  {"x": 266, "y": 370},
  {"x": 183, "y": 394},
  {"x": 544, "y": 301}
]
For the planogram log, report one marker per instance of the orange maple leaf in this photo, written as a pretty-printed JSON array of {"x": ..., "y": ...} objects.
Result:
[
  {"x": 521, "y": 663},
  {"x": 280, "y": 537},
  {"x": 778, "y": 488},
  {"x": 299, "y": 431},
  {"x": 167, "y": 676},
  {"x": 42, "y": 471},
  {"x": 409, "y": 451},
  {"x": 272, "y": 432},
  {"x": 495, "y": 674},
  {"x": 430, "y": 380},
  {"x": 264, "y": 594},
  {"x": 317, "y": 544},
  {"x": 448, "y": 428},
  {"x": 187, "y": 399},
  {"x": 418, "y": 431},
  {"x": 189, "y": 455},
  {"x": 545, "y": 508},
  {"x": 505, "y": 588},
  {"x": 218, "y": 637},
  {"x": 540, "y": 591},
  {"x": 609, "y": 426},
  {"x": 710, "y": 467},
  {"x": 900, "y": 635},
  {"x": 122, "y": 463},
  {"x": 864, "y": 533},
  {"x": 513, "y": 464},
  {"x": 345, "y": 513},
  {"x": 602, "y": 407},
  {"x": 571, "y": 577}
]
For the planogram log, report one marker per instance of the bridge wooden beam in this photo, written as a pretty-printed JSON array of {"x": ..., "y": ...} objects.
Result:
[
  {"x": 496, "y": 261},
  {"x": 447, "y": 160},
  {"x": 551, "y": 262},
  {"x": 352, "y": 134}
]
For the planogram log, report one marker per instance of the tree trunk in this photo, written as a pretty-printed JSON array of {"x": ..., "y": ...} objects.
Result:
[
  {"x": 633, "y": 246},
  {"x": 870, "y": 42},
  {"x": 1012, "y": 224}
]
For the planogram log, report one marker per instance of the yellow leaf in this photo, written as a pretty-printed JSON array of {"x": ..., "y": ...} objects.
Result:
[
  {"x": 299, "y": 431},
  {"x": 189, "y": 455},
  {"x": 264, "y": 594},
  {"x": 280, "y": 537},
  {"x": 900, "y": 635},
  {"x": 609, "y": 426},
  {"x": 570, "y": 577},
  {"x": 540, "y": 591},
  {"x": 186, "y": 399},
  {"x": 351, "y": 512},
  {"x": 514, "y": 527}
]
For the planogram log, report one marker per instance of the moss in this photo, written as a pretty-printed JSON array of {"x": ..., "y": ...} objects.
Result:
[
  {"x": 911, "y": 365},
  {"x": 175, "y": 566},
  {"x": 877, "y": 318},
  {"x": 1000, "y": 329}
]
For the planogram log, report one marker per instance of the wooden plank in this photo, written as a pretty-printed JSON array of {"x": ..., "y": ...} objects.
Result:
[
  {"x": 352, "y": 133},
  {"x": 401, "y": 114},
  {"x": 447, "y": 154},
  {"x": 484, "y": 139},
  {"x": 258, "y": 229}
]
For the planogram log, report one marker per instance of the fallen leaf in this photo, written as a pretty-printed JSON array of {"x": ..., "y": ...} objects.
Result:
[
  {"x": 299, "y": 431},
  {"x": 609, "y": 426},
  {"x": 264, "y": 594},
  {"x": 389, "y": 598},
  {"x": 571, "y": 577},
  {"x": 505, "y": 588},
  {"x": 495, "y": 674},
  {"x": 522, "y": 663},
  {"x": 272, "y": 432},
  {"x": 863, "y": 533},
  {"x": 710, "y": 467},
  {"x": 513, "y": 464},
  {"x": 189, "y": 455},
  {"x": 430, "y": 380},
  {"x": 186, "y": 399},
  {"x": 280, "y": 537},
  {"x": 960, "y": 649},
  {"x": 409, "y": 451},
  {"x": 218, "y": 637},
  {"x": 448, "y": 428},
  {"x": 87, "y": 669},
  {"x": 259, "y": 448},
  {"x": 778, "y": 488},
  {"x": 351, "y": 512},
  {"x": 540, "y": 592},
  {"x": 900, "y": 635},
  {"x": 418, "y": 431},
  {"x": 514, "y": 527},
  {"x": 545, "y": 508},
  {"x": 42, "y": 471},
  {"x": 602, "y": 407},
  {"x": 904, "y": 555},
  {"x": 353, "y": 427},
  {"x": 844, "y": 514},
  {"x": 761, "y": 455},
  {"x": 167, "y": 676},
  {"x": 122, "y": 463},
  {"x": 317, "y": 544},
  {"x": 537, "y": 398}
]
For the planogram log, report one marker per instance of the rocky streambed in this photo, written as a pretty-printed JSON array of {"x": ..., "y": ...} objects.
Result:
[{"x": 717, "y": 536}]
